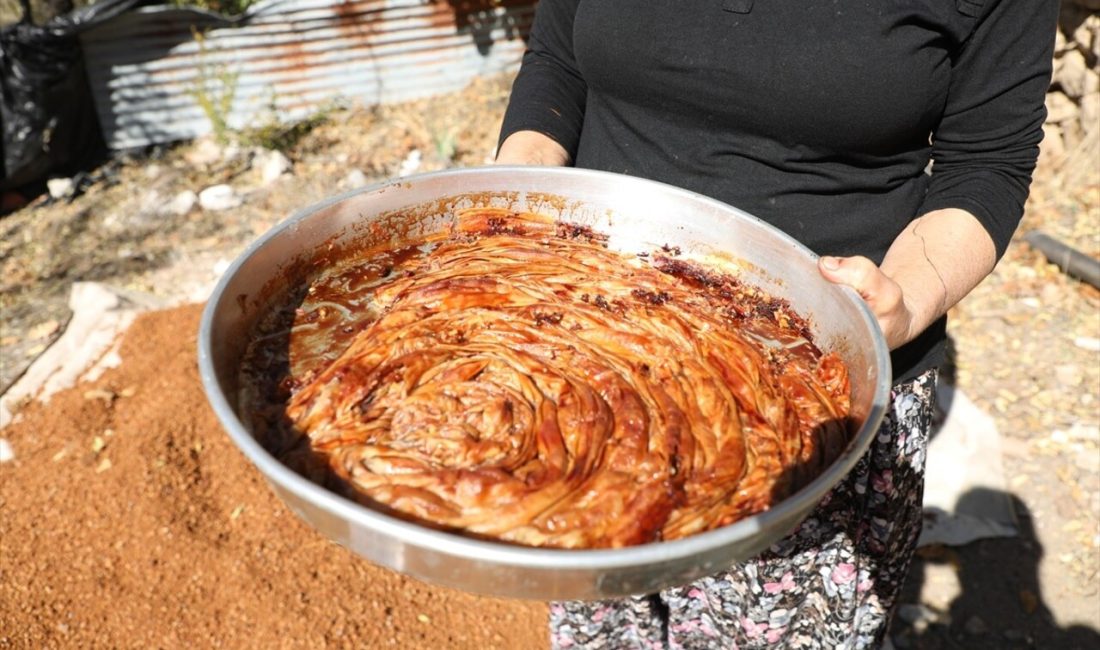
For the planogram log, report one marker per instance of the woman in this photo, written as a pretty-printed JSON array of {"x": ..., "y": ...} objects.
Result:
[{"x": 820, "y": 117}]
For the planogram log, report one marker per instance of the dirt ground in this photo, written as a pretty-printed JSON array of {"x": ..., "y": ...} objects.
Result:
[
  {"x": 1025, "y": 351},
  {"x": 130, "y": 520}
]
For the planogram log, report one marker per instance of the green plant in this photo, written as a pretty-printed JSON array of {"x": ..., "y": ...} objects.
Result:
[
  {"x": 214, "y": 90},
  {"x": 446, "y": 143},
  {"x": 276, "y": 135}
]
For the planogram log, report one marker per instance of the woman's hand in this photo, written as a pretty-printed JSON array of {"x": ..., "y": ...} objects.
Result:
[
  {"x": 531, "y": 148},
  {"x": 932, "y": 264},
  {"x": 884, "y": 296}
]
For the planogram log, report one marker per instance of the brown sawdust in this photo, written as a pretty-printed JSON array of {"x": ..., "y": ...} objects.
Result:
[{"x": 178, "y": 542}]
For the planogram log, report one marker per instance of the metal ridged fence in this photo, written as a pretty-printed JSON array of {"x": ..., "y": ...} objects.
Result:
[{"x": 287, "y": 58}]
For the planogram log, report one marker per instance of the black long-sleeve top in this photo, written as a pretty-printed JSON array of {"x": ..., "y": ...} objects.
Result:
[{"x": 817, "y": 116}]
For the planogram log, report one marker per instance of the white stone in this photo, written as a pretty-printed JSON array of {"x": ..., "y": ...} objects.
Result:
[
  {"x": 1088, "y": 460},
  {"x": 272, "y": 165},
  {"x": 1059, "y": 107},
  {"x": 1086, "y": 432},
  {"x": 1090, "y": 109},
  {"x": 221, "y": 266},
  {"x": 1093, "y": 23},
  {"x": 60, "y": 188},
  {"x": 204, "y": 152},
  {"x": 1052, "y": 148},
  {"x": 6, "y": 452},
  {"x": 219, "y": 197},
  {"x": 1059, "y": 42},
  {"x": 182, "y": 203},
  {"x": 1085, "y": 34},
  {"x": 150, "y": 202},
  {"x": 1087, "y": 343},
  {"x": 410, "y": 164},
  {"x": 355, "y": 179},
  {"x": 1073, "y": 74}
]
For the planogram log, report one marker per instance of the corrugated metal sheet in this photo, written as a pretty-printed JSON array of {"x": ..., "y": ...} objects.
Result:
[{"x": 290, "y": 58}]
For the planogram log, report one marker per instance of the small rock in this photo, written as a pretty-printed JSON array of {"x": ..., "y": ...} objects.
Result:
[
  {"x": 1068, "y": 375},
  {"x": 103, "y": 466},
  {"x": 1085, "y": 432},
  {"x": 100, "y": 394},
  {"x": 1060, "y": 107},
  {"x": 1060, "y": 44},
  {"x": 152, "y": 171},
  {"x": 7, "y": 454},
  {"x": 355, "y": 179},
  {"x": 1088, "y": 461},
  {"x": 272, "y": 165},
  {"x": 1015, "y": 447},
  {"x": 1073, "y": 74},
  {"x": 182, "y": 203},
  {"x": 1053, "y": 148},
  {"x": 1087, "y": 343},
  {"x": 221, "y": 266},
  {"x": 60, "y": 188},
  {"x": 1086, "y": 32},
  {"x": 205, "y": 152},
  {"x": 219, "y": 197},
  {"x": 410, "y": 164},
  {"x": 1050, "y": 294},
  {"x": 151, "y": 201},
  {"x": 975, "y": 626}
]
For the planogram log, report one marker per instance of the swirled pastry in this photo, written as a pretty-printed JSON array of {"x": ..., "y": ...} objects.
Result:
[{"x": 522, "y": 382}]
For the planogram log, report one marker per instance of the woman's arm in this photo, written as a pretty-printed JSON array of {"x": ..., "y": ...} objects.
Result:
[
  {"x": 531, "y": 148},
  {"x": 542, "y": 124},
  {"x": 984, "y": 150},
  {"x": 933, "y": 264}
]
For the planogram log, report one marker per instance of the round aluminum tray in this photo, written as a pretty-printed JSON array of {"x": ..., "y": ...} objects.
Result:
[{"x": 638, "y": 215}]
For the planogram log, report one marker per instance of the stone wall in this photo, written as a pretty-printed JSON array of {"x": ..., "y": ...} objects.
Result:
[{"x": 1072, "y": 129}]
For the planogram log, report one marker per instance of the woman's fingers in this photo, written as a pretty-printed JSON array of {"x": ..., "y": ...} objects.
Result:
[
  {"x": 859, "y": 273},
  {"x": 881, "y": 293}
]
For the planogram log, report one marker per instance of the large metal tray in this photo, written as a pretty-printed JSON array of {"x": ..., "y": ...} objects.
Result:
[{"x": 638, "y": 215}]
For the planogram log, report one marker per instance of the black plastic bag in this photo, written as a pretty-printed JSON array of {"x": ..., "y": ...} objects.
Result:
[{"x": 48, "y": 123}]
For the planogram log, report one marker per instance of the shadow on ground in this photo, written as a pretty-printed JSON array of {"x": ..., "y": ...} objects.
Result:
[{"x": 1000, "y": 606}]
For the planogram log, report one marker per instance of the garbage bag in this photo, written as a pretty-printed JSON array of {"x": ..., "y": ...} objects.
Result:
[{"x": 47, "y": 119}]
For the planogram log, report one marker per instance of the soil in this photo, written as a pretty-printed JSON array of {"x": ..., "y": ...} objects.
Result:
[
  {"x": 93, "y": 558},
  {"x": 130, "y": 520}
]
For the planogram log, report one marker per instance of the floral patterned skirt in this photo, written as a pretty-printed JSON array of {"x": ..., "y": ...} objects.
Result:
[{"x": 832, "y": 583}]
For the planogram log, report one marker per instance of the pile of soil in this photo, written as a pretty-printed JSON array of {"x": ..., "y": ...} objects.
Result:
[{"x": 128, "y": 519}]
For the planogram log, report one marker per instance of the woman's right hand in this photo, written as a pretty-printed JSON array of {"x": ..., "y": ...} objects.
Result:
[{"x": 531, "y": 148}]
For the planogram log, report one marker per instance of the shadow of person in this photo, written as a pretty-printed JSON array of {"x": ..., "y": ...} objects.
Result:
[{"x": 1000, "y": 605}]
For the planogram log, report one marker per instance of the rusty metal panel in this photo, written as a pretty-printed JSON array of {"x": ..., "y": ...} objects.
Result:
[{"x": 288, "y": 58}]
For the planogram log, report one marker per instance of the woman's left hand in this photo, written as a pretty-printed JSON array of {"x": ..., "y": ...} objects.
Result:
[{"x": 881, "y": 293}]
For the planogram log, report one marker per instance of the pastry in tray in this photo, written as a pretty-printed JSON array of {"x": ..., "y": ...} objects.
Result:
[{"x": 515, "y": 379}]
